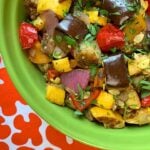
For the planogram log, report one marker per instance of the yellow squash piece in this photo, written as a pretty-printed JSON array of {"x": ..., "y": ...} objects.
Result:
[
  {"x": 105, "y": 100},
  {"x": 37, "y": 56},
  {"x": 62, "y": 65},
  {"x": 107, "y": 117},
  {"x": 144, "y": 6},
  {"x": 55, "y": 94},
  {"x": 60, "y": 8},
  {"x": 138, "y": 64},
  {"x": 135, "y": 27},
  {"x": 133, "y": 101},
  {"x": 141, "y": 117},
  {"x": 95, "y": 18}
]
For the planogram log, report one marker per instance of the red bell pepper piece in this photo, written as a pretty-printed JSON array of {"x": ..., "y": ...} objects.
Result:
[
  {"x": 52, "y": 73},
  {"x": 110, "y": 37},
  {"x": 145, "y": 102},
  {"x": 82, "y": 105},
  {"x": 28, "y": 35},
  {"x": 148, "y": 9}
]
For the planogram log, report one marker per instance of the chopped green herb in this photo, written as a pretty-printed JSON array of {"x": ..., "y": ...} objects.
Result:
[
  {"x": 115, "y": 13},
  {"x": 94, "y": 102},
  {"x": 145, "y": 93},
  {"x": 93, "y": 70},
  {"x": 132, "y": 31},
  {"x": 133, "y": 6},
  {"x": 70, "y": 40},
  {"x": 104, "y": 12},
  {"x": 81, "y": 93},
  {"x": 88, "y": 88},
  {"x": 113, "y": 50},
  {"x": 145, "y": 88},
  {"x": 65, "y": 13},
  {"x": 57, "y": 55},
  {"x": 89, "y": 37},
  {"x": 92, "y": 29},
  {"x": 104, "y": 56},
  {"x": 80, "y": 3},
  {"x": 145, "y": 82}
]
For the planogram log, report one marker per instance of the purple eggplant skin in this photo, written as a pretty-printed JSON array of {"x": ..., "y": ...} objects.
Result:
[
  {"x": 73, "y": 27},
  {"x": 116, "y": 71},
  {"x": 75, "y": 78},
  {"x": 120, "y": 10},
  {"x": 50, "y": 21}
]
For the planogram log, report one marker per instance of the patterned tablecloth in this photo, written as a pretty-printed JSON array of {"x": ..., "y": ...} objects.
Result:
[{"x": 21, "y": 128}]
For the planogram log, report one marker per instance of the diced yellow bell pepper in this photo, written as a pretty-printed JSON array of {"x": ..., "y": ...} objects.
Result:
[
  {"x": 95, "y": 18},
  {"x": 105, "y": 100},
  {"x": 60, "y": 8},
  {"x": 55, "y": 94},
  {"x": 107, "y": 117},
  {"x": 36, "y": 55},
  {"x": 135, "y": 27},
  {"x": 62, "y": 65},
  {"x": 133, "y": 68},
  {"x": 38, "y": 23}
]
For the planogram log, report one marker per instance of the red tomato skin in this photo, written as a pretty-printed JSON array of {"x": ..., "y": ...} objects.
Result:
[
  {"x": 110, "y": 37},
  {"x": 145, "y": 102},
  {"x": 28, "y": 35},
  {"x": 148, "y": 9}
]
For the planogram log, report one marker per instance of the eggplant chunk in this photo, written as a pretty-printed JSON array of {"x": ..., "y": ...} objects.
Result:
[
  {"x": 120, "y": 10},
  {"x": 73, "y": 27},
  {"x": 87, "y": 53},
  {"x": 50, "y": 21},
  {"x": 48, "y": 44},
  {"x": 61, "y": 42},
  {"x": 116, "y": 71},
  {"x": 141, "y": 117},
  {"x": 109, "y": 118}
]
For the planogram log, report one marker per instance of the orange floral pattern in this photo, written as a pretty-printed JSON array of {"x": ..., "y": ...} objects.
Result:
[
  {"x": 4, "y": 128},
  {"x": 29, "y": 130},
  {"x": 23, "y": 129}
]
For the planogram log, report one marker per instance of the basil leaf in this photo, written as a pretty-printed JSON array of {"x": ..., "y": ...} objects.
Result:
[{"x": 93, "y": 70}]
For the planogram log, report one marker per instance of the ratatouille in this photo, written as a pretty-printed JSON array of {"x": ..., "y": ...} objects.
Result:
[{"x": 94, "y": 56}]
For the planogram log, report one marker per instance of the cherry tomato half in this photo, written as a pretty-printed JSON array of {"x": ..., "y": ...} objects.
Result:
[
  {"x": 145, "y": 102},
  {"x": 110, "y": 37},
  {"x": 28, "y": 35}
]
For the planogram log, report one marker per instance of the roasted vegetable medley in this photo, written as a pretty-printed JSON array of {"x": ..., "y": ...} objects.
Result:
[{"x": 94, "y": 56}]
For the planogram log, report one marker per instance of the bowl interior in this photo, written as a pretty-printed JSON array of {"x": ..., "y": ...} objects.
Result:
[{"x": 31, "y": 85}]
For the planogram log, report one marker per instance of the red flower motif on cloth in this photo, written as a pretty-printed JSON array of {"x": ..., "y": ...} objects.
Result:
[
  {"x": 60, "y": 139},
  {"x": 4, "y": 129},
  {"x": 9, "y": 96},
  {"x": 3, "y": 146},
  {"x": 25, "y": 148},
  {"x": 28, "y": 130}
]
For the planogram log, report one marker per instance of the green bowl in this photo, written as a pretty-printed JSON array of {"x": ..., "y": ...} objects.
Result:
[{"x": 31, "y": 86}]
